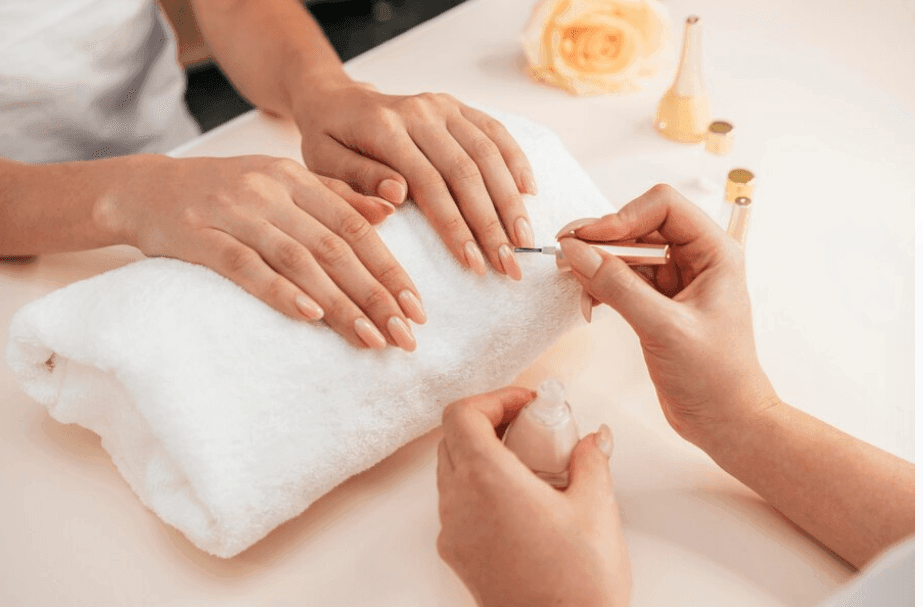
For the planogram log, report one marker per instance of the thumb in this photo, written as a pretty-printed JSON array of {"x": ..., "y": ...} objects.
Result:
[
  {"x": 611, "y": 281},
  {"x": 590, "y": 479}
]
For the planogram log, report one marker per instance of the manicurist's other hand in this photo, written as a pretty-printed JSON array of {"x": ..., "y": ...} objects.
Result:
[
  {"x": 692, "y": 315},
  {"x": 510, "y": 537},
  {"x": 289, "y": 237},
  {"x": 461, "y": 167}
]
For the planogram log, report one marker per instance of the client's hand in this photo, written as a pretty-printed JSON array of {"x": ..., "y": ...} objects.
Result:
[
  {"x": 292, "y": 239},
  {"x": 461, "y": 167},
  {"x": 511, "y": 538},
  {"x": 692, "y": 315}
]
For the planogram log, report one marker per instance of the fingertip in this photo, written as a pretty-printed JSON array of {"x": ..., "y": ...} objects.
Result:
[
  {"x": 603, "y": 440},
  {"x": 308, "y": 307},
  {"x": 392, "y": 191}
]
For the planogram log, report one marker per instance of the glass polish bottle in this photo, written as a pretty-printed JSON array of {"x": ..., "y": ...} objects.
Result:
[{"x": 544, "y": 434}]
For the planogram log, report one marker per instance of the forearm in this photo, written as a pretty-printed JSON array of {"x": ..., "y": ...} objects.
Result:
[
  {"x": 272, "y": 50},
  {"x": 59, "y": 207},
  {"x": 854, "y": 498}
]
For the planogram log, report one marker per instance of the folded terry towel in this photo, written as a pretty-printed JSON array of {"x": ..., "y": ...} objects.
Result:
[{"x": 228, "y": 418}]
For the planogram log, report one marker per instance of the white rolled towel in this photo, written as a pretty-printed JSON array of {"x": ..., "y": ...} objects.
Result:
[{"x": 228, "y": 418}]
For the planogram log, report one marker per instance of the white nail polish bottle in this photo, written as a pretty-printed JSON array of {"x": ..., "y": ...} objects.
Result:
[{"x": 544, "y": 434}]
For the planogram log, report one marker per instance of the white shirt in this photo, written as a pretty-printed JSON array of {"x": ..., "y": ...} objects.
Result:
[{"x": 85, "y": 79}]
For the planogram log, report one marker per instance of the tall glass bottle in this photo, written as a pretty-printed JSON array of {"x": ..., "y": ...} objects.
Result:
[{"x": 683, "y": 114}]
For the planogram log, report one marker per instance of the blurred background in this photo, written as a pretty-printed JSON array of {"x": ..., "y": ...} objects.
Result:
[{"x": 352, "y": 26}]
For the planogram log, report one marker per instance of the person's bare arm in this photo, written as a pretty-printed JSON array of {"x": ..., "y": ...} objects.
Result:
[
  {"x": 295, "y": 240},
  {"x": 460, "y": 166},
  {"x": 694, "y": 322}
]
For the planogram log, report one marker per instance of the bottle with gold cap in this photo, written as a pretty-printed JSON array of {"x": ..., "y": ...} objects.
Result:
[
  {"x": 712, "y": 160},
  {"x": 684, "y": 114}
]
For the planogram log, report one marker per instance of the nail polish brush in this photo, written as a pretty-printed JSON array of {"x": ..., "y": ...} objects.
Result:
[{"x": 634, "y": 254}]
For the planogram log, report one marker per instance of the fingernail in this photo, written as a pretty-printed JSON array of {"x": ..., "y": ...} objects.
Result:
[
  {"x": 525, "y": 237},
  {"x": 369, "y": 334},
  {"x": 604, "y": 440},
  {"x": 528, "y": 182},
  {"x": 384, "y": 204},
  {"x": 508, "y": 261},
  {"x": 392, "y": 191},
  {"x": 412, "y": 306},
  {"x": 583, "y": 258},
  {"x": 309, "y": 308},
  {"x": 401, "y": 334},
  {"x": 475, "y": 259},
  {"x": 586, "y": 305},
  {"x": 574, "y": 225}
]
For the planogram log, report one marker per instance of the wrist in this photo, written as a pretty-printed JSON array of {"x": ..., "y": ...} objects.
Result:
[
  {"x": 745, "y": 411},
  {"x": 112, "y": 214}
]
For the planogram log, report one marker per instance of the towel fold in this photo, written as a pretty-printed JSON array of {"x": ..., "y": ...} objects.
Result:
[{"x": 228, "y": 418}]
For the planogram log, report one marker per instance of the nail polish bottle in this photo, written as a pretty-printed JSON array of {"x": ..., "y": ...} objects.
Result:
[{"x": 544, "y": 434}]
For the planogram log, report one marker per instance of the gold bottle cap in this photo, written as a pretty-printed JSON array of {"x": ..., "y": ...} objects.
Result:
[
  {"x": 739, "y": 184},
  {"x": 720, "y": 138}
]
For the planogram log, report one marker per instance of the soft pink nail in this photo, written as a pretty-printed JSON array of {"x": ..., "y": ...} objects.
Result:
[
  {"x": 369, "y": 334},
  {"x": 475, "y": 259},
  {"x": 604, "y": 440},
  {"x": 525, "y": 237},
  {"x": 575, "y": 225},
  {"x": 401, "y": 334},
  {"x": 528, "y": 182},
  {"x": 393, "y": 191},
  {"x": 509, "y": 263},
  {"x": 412, "y": 306},
  {"x": 586, "y": 305},
  {"x": 583, "y": 258},
  {"x": 308, "y": 307}
]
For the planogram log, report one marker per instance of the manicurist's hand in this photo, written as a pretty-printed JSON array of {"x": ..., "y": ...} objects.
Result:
[
  {"x": 693, "y": 316},
  {"x": 460, "y": 166},
  {"x": 510, "y": 537},
  {"x": 292, "y": 239}
]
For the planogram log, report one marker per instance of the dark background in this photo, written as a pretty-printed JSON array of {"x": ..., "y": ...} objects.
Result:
[{"x": 352, "y": 26}]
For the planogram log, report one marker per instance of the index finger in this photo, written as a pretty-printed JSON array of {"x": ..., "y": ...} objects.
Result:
[
  {"x": 469, "y": 424},
  {"x": 661, "y": 209}
]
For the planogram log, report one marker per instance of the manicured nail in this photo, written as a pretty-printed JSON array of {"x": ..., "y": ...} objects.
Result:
[
  {"x": 586, "y": 305},
  {"x": 392, "y": 191},
  {"x": 386, "y": 206},
  {"x": 604, "y": 440},
  {"x": 583, "y": 258},
  {"x": 412, "y": 306},
  {"x": 369, "y": 334},
  {"x": 309, "y": 308},
  {"x": 475, "y": 259},
  {"x": 525, "y": 237},
  {"x": 528, "y": 182},
  {"x": 574, "y": 225},
  {"x": 401, "y": 334},
  {"x": 509, "y": 263}
]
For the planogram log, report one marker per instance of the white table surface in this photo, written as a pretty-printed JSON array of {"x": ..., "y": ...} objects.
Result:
[{"x": 822, "y": 96}]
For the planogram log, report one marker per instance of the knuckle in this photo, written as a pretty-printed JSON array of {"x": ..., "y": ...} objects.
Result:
[
  {"x": 277, "y": 289},
  {"x": 493, "y": 227},
  {"x": 376, "y": 298},
  {"x": 486, "y": 148},
  {"x": 450, "y": 413},
  {"x": 236, "y": 258},
  {"x": 391, "y": 275},
  {"x": 354, "y": 228},
  {"x": 291, "y": 256},
  {"x": 331, "y": 249},
  {"x": 464, "y": 170},
  {"x": 456, "y": 226}
]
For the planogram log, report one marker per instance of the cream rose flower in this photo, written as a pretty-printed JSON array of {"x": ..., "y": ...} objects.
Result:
[{"x": 589, "y": 47}]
